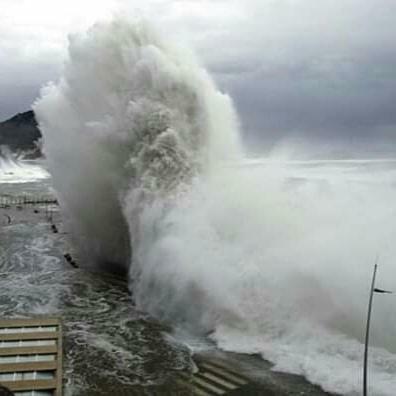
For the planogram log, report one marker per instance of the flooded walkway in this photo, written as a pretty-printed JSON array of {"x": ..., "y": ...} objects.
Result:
[{"x": 110, "y": 347}]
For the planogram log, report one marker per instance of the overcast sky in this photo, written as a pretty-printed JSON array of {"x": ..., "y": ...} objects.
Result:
[{"x": 301, "y": 72}]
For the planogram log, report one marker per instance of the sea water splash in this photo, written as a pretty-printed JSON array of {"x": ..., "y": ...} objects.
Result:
[
  {"x": 131, "y": 119},
  {"x": 266, "y": 258},
  {"x": 13, "y": 170}
]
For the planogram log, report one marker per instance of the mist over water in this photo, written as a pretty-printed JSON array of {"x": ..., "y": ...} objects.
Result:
[
  {"x": 13, "y": 170},
  {"x": 266, "y": 257}
]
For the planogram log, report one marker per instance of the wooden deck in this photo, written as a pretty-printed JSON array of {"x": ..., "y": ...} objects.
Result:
[{"x": 31, "y": 355}]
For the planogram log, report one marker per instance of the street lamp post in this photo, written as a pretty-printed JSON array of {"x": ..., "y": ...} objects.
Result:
[
  {"x": 368, "y": 331},
  {"x": 366, "y": 344}
]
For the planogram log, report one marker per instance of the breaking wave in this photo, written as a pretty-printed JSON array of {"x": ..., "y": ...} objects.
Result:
[
  {"x": 131, "y": 119},
  {"x": 14, "y": 170},
  {"x": 145, "y": 157}
]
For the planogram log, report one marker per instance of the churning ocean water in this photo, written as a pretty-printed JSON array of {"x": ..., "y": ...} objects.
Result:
[{"x": 255, "y": 255}]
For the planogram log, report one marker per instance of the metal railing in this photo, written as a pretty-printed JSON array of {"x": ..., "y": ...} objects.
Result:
[{"x": 20, "y": 200}]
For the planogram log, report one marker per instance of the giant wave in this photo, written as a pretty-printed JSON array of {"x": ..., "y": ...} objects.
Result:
[{"x": 144, "y": 152}]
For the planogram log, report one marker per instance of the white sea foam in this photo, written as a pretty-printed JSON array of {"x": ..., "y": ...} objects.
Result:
[
  {"x": 269, "y": 258},
  {"x": 13, "y": 170},
  {"x": 130, "y": 116}
]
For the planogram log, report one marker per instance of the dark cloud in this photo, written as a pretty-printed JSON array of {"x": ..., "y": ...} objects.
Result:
[
  {"x": 14, "y": 99},
  {"x": 329, "y": 80},
  {"x": 319, "y": 72},
  {"x": 20, "y": 83}
]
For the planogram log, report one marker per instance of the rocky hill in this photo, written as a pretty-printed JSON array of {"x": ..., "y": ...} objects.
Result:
[{"x": 20, "y": 134}]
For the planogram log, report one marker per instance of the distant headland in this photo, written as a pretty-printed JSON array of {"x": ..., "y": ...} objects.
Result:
[{"x": 21, "y": 135}]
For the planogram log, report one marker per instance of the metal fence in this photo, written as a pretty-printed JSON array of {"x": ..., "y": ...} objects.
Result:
[
  {"x": 8, "y": 200},
  {"x": 11, "y": 200}
]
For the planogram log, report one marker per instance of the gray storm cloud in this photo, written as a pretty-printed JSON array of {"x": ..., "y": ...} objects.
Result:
[{"x": 321, "y": 72}]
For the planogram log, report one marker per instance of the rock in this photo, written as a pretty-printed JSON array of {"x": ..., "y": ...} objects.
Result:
[{"x": 21, "y": 134}]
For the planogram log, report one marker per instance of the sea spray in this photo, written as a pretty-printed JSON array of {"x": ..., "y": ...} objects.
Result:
[
  {"x": 14, "y": 170},
  {"x": 277, "y": 261},
  {"x": 268, "y": 259},
  {"x": 131, "y": 118}
]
